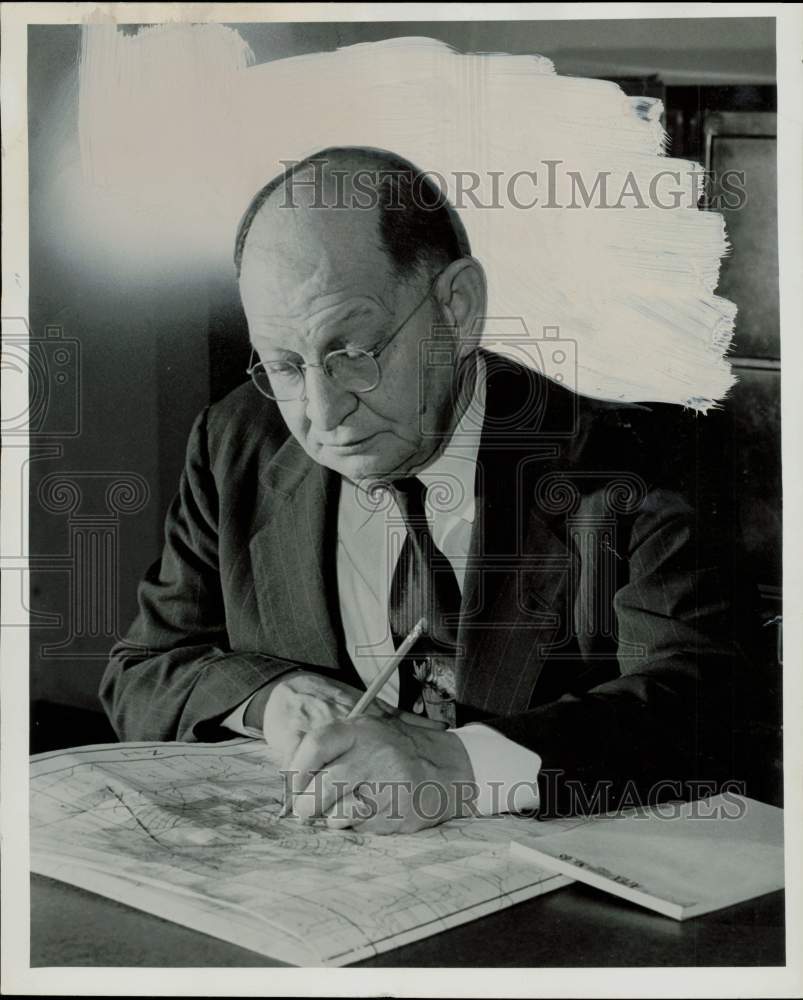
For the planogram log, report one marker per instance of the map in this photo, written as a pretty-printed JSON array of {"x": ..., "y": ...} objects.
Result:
[{"x": 191, "y": 833}]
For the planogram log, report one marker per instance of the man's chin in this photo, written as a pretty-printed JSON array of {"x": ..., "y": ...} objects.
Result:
[
  {"x": 362, "y": 471},
  {"x": 363, "y": 467}
]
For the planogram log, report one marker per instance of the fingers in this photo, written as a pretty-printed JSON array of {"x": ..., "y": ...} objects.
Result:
[
  {"x": 422, "y": 721},
  {"x": 327, "y": 787},
  {"x": 289, "y": 714},
  {"x": 318, "y": 748},
  {"x": 380, "y": 709},
  {"x": 283, "y": 741},
  {"x": 410, "y": 718},
  {"x": 333, "y": 763},
  {"x": 315, "y": 712},
  {"x": 367, "y": 808},
  {"x": 344, "y": 813},
  {"x": 350, "y": 811},
  {"x": 384, "y": 808}
]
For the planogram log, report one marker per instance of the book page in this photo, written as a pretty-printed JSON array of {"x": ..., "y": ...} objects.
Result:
[{"x": 682, "y": 859}]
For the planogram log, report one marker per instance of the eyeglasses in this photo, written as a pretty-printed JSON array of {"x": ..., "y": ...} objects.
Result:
[{"x": 352, "y": 368}]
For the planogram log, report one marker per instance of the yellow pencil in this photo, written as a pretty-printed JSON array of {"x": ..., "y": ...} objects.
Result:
[
  {"x": 387, "y": 671},
  {"x": 374, "y": 688}
]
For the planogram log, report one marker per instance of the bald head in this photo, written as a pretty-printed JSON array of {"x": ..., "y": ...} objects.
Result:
[
  {"x": 315, "y": 229},
  {"x": 396, "y": 209},
  {"x": 355, "y": 256}
]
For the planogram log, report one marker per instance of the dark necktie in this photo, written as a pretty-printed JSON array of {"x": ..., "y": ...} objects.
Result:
[{"x": 424, "y": 585}]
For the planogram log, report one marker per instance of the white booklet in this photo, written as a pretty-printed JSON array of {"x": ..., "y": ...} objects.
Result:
[
  {"x": 190, "y": 832},
  {"x": 681, "y": 859}
]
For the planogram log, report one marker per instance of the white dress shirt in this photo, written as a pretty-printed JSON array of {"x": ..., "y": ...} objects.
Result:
[{"x": 371, "y": 532}]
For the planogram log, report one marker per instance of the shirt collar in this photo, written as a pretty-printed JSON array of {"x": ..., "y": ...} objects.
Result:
[{"x": 454, "y": 470}]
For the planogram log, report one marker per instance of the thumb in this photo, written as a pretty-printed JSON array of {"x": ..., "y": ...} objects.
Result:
[
  {"x": 410, "y": 718},
  {"x": 422, "y": 721}
]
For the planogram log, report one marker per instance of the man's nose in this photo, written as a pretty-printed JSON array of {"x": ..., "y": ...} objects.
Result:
[{"x": 327, "y": 404}]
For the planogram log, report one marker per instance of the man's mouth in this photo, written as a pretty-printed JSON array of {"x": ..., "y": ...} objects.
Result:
[{"x": 355, "y": 444}]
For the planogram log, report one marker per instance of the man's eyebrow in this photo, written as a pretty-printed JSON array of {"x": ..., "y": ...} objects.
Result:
[{"x": 357, "y": 320}]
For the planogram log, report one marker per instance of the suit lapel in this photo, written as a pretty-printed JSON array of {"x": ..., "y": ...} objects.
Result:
[
  {"x": 517, "y": 592},
  {"x": 294, "y": 559},
  {"x": 518, "y": 581}
]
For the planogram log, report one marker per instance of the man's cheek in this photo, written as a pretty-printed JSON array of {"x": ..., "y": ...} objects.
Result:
[{"x": 295, "y": 419}]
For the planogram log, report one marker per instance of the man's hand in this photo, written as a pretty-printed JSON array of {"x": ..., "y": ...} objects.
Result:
[
  {"x": 299, "y": 702},
  {"x": 383, "y": 775}
]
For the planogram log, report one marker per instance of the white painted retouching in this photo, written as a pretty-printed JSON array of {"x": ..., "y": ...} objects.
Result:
[{"x": 580, "y": 220}]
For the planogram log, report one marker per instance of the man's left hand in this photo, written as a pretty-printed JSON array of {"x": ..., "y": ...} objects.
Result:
[{"x": 381, "y": 775}]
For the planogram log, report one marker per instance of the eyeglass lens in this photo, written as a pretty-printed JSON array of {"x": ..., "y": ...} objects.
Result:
[{"x": 283, "y": 381}]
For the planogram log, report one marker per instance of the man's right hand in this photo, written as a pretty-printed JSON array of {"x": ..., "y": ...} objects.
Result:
[{"x": 298, "y": 702}]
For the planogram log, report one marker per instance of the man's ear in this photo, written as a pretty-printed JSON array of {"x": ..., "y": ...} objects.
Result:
[{"x": 461, "y": 291}]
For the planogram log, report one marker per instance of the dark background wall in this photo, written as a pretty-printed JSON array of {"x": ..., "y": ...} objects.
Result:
[{"x": 128, "y": 354}]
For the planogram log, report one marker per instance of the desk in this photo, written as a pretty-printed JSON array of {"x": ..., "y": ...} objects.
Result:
[{"x": 574, "y": 927}]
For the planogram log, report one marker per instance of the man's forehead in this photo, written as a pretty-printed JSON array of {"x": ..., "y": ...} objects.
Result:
[
  {"x": 303, "y": 236},
  {"x": 318, "y": 208},
  {"x": 294, "y": 253}
]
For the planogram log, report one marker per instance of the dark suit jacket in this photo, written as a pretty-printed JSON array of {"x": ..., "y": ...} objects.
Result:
[{"x": 595, "y": 630}]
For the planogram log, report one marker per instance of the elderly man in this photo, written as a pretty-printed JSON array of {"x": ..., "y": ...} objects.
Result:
[{"x": 380, "y": 467}]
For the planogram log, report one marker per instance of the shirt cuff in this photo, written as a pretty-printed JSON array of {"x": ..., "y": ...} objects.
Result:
[
  {"x": 236, "y": 721},
  {"x": 506, "y": 773}
]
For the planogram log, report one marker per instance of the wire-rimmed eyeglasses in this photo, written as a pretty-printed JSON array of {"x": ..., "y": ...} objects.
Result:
[{"x": 352, "y": 368}]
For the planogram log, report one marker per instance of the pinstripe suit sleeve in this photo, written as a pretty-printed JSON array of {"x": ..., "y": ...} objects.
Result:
[
  {"x": 666, "y": 717},
  {"x": 174, "y": 676}
]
